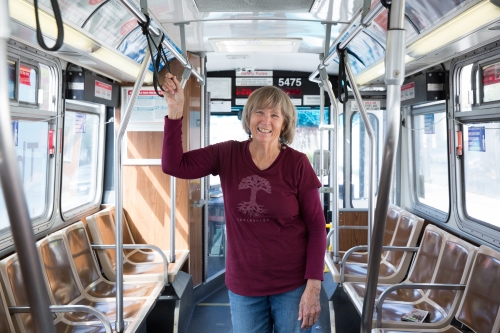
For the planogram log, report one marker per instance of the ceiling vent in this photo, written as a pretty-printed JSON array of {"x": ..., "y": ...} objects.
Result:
[{"x": 238, "y": 6}]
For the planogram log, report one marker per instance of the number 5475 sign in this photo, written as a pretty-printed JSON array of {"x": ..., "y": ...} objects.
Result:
[{"x": 290, "y": 82}]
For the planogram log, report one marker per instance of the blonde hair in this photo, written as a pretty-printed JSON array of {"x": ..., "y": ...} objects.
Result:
[{"x": 271, "y": 97}]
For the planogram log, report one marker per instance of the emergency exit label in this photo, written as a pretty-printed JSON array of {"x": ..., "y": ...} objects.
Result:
[{"x": 103, "y": 90}]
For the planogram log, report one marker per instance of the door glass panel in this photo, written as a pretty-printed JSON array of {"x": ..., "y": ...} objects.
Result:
[
  {"x": 482, "y": 172},
  {"x": 431, "y": 163},
  {"x": 360, "y": 150},
  {"x": 79, "y": 180}
]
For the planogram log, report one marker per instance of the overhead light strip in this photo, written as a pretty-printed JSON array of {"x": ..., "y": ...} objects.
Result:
[
  {"x": 463, "y": 24},
  {"x": 24, "y": 12}
]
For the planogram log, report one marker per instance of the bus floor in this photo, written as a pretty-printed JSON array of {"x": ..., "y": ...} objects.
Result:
[{"x": 212, "y": 314}]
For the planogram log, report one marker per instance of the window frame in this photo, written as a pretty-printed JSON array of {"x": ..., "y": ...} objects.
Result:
[
  {"x": 481, "y": 112},
  {"x": 32, "y": 112},
  {"x": 100, "y": 111},
  {"x": 425, "y": 210}
]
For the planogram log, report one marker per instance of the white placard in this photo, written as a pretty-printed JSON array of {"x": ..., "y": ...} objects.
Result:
[
  {"x": 296, "y": 101},
  {"x": 219, "y": 87},
  {"x": 103, "y": 90},
  {"x": 241, "y": 101},
  {"x": 220, "y": 106},
  {"x": 255, "y": 73},
  {"x": 149, "y": 107},
  {"x": 254, "y": 81},
  {"x": 369, "y": 105},
  {"x": 408, "y": 91},
  {"x": 312, "y": 99}
]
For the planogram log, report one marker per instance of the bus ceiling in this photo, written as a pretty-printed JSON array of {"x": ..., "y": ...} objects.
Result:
[{"x": 104, "y": 36}]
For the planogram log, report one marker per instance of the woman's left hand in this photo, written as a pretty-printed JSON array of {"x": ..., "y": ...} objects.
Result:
[{"x": 309, "y": 308}]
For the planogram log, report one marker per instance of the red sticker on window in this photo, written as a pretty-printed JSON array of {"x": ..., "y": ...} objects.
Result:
[{"x": 24, "y": 75}]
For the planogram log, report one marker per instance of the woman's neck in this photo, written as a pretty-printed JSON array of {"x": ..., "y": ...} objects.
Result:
[{"x": 263, "y": 155}]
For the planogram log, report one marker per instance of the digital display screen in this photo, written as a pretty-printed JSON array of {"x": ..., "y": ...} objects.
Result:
[
  {"x": 293, "y": 92},
  {"x": 245, "y": 91}
]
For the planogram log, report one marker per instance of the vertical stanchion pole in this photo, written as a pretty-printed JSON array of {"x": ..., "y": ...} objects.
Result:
[
  {"x": 173, "y": 195},
  {"x": 119, "y": 190},
  {"x": 371, "y": 158},
  {"x": 394, "y": 76},
  {"x": 334, "y": 139},
  {"x": 13, "y": 193}
]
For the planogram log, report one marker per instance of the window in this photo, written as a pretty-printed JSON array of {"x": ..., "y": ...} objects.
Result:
[
  {"x": 481, "y": 160},
  {"x": 430, "y": 155},
  {"x": 225, "y": 128},
  {"x": 31, "y": 148},
  {"x": 11, "y": 69},
  {"x": 4, "y": 216},
  {"x": 47, "y": 92},
  {"x": 478, "y": 181},
  {"x": 466, "y": 89},
  {"x": 80, "y": 159},
  {"x": 360, "y": 150}
]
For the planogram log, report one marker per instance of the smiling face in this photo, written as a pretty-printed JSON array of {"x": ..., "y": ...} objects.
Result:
[{"x": 266, "y": 125}]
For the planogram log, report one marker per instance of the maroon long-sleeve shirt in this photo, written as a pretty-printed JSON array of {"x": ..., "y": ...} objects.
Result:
[{"x": 275, "y": 225}]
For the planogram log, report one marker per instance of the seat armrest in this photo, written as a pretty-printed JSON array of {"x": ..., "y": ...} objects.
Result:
[
  {"x": 437, "y": 286},
  {"x": 69, "y": 308},
  {"x": 139, "y": 246}
]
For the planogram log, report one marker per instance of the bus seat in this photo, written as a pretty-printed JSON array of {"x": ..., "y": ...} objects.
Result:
[
  {"x": 452, "y": 267},
  {"x": 64, "y": 289},
  {"x": 402, "y": 229},
  {"x": 480, "y": 306},
  {"x": 422, "y": 271},
  {"x": 361, "y": 257},
  {"x": 90, "y": 278},
  {"x": 144, "y": 256},
  {"x": 15, "y": 295},
  {"x": 102, "y": 228}
]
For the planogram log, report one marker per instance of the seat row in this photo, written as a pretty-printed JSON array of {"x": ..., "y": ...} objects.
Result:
[
  {"x": 449, "y": 277},
  {"x": 74, "y": 280}
]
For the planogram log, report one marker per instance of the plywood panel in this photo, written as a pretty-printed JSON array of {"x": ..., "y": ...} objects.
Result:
[
  {"x": 144, "y": 145},
  {"x": 350, "y": 238}
]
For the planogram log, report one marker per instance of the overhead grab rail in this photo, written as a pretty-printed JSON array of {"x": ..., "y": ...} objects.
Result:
[
  {"x": 394, "y": 76},
  {"x": 157, "y": 31},
  {"x": 371, "y": 151},
  {"x": 15, "y": 200},
  {"x": 363, "y": 23}
]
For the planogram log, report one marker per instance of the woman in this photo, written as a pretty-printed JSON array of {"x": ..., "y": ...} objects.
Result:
[{"x": 274, "y": 219}]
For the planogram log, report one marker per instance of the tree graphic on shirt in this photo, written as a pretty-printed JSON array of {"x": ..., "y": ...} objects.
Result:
[{"x": 255, "y": 184}]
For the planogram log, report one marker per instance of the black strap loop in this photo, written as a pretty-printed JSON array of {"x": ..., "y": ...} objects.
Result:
[
  {"x": 158, "y": 50},
  {"x": 59, "y": 23},
  {"x": 342, "y": 89}
]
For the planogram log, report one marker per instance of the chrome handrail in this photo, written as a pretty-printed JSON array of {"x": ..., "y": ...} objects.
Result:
[
  {"x": 364, "y": 248},
  {"x": 394, "y": 77},
  {"x": 435, "y": 286},
  {"x": 157, "y": 31},
  {"x": 371, "y": 137},
  {"x": 138, "y": 246},
  {"x": 119, "y": 189},
  {"x": 70, "y": 308},
  {"x": 15, "y": 199}
]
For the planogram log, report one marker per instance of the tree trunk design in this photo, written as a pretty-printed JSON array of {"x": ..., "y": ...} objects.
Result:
[{"x": 255, "y": 184}]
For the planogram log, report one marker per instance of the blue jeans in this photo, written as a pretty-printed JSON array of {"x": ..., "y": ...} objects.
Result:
[{"x": 260, "y": 314}]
